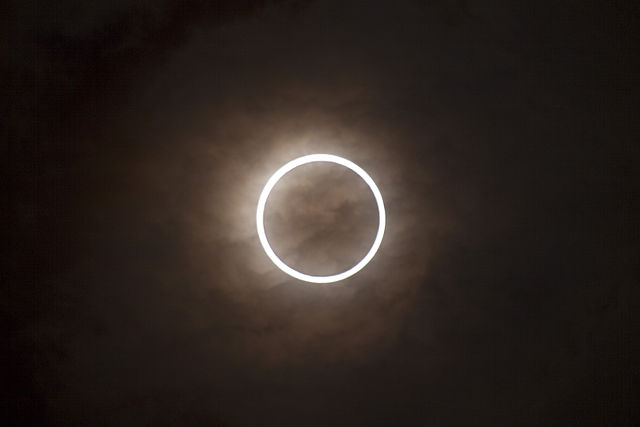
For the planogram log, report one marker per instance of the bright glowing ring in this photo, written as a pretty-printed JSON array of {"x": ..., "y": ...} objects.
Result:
[{"x": 262, "y": 201}]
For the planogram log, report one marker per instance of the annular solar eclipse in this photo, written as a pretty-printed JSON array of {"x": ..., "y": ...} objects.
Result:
[{"x": 274, "y": 180}]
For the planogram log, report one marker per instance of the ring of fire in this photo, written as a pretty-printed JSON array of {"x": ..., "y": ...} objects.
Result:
[{"x": 262, "y": 201}]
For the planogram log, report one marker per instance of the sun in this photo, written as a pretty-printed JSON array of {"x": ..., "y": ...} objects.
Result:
[{"x": 262, "y": 201}]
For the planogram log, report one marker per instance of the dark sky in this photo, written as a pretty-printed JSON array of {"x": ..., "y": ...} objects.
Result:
[{"x": 504, "y": 137}]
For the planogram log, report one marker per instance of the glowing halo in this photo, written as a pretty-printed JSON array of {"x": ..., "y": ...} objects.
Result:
[{"x": 262, "y": 201}]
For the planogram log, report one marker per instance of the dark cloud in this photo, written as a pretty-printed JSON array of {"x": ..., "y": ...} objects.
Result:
[{"x": 502, "y": 138}]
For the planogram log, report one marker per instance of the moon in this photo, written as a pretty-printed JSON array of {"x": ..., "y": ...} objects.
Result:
[{"x": 262, "y": 201}]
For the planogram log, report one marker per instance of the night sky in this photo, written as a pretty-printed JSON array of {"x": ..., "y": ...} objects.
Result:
[{"x": 138, "y": 135}]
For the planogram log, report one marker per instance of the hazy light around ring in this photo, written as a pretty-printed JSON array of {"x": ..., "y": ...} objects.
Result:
[{"x": 262, "y": 201}]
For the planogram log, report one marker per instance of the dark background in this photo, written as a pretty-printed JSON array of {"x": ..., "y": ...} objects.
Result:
[{"x": 504, "y": 137}]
